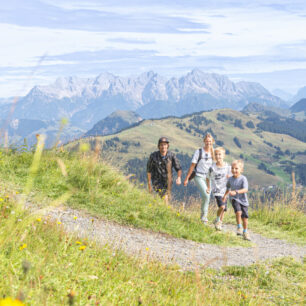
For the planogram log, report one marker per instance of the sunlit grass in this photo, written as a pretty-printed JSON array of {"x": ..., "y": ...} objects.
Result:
[
  {"x": 93, "y": 186},
  {"x": 42, "y": 265}
]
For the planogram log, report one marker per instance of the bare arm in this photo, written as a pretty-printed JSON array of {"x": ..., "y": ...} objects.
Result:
[
  {"x": 234, "y": 192},
  {"x": 149, "y": 181},
  {"x": 225, "y": 195},
  {"x": 243, "y": 190},
  {"x": 179, "y": 177},
  {"x": 191, "y": 168},
  {"x": 208, "y": 185}
]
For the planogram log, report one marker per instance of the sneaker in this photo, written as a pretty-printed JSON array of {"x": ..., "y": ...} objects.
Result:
[
  {"x": 246, "y": 236},
  {"x": 204, "y": 221},
  {"x": 239, "y": 231},
  {"x": 218, "y": 226}
]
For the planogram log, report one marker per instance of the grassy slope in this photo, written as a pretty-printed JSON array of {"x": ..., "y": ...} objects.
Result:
[
  {"x": 148, "y": 132},
  {"x": 43, "y": 266},
  {"x": 100, "y": 190}
]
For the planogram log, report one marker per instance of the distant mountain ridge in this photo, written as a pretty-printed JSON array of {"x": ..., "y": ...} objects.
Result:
[
  {"x": 299, "y": 106},
  {"x": 86, "y": 101},
  {"x": 22, "y": 131},
  {"x": 113, "y": 123},
  {"x": 301, "y": 94},
  {"x": 260, "y": 108},
  {"x": 282, "y": 94}
]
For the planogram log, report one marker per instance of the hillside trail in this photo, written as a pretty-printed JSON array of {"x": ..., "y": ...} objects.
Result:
[{"x": 187, "y": 254}]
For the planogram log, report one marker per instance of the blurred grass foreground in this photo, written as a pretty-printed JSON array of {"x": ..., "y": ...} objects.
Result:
[{"x": 40, "y": 264}]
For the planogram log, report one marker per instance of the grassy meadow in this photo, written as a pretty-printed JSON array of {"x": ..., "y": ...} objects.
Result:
[
  {"x": 43, "y": 265},
  {"x": 100, "y": 190}
]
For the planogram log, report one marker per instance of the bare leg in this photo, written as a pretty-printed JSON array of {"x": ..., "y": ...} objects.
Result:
[
  {"x": 238, "y": 217},
  {"x": 166, "y": 198},
  {"x": 245, "y": 223},
  {"x": 220, "y": 212}
]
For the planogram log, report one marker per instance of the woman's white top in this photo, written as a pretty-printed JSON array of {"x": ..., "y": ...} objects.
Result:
[{"x": 204, "y": 163}]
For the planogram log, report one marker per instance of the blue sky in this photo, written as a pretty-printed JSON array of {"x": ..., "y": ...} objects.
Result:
[{"x": 263, "y": 41}]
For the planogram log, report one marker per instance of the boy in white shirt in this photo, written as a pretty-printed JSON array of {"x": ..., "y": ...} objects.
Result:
[{"x": 219, "y": 173}]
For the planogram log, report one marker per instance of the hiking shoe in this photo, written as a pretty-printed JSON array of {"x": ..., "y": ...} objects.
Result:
[
  {"x": 218, "y": 226},
  {"x": 204, "y": 221},
  {"x": 246, "y": 236},
  {"x": 239, "y": 231}
]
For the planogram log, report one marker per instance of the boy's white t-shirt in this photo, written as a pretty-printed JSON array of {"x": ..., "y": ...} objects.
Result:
[
  {"x": 204, "y": 164},
  {"x": 219, "y": 177}
]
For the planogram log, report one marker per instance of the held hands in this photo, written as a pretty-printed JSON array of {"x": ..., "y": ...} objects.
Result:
[
  {"x": 186, "y": 181},
  {"x": 232, "y": 193},
  {"x": 178, "y": 181}
]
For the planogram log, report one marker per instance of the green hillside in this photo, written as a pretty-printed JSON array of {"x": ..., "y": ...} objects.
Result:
[
  {"x": 269, "y": 157},
  {"x": 41, "y": 264}
]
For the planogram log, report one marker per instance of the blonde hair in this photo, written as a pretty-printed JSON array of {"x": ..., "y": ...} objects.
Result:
[
  {"x": 220, "y": 149},
  {"x": 208, "y": 135},
  {"x": 238, "y": 162}
]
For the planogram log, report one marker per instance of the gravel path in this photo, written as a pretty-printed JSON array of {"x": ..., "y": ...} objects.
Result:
[{"x": 168, "y": 250}]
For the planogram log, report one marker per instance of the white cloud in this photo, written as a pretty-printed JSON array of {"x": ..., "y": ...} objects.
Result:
[{"x": 264, "y": 36}]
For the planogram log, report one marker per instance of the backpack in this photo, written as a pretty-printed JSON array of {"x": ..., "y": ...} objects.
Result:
[{"x": 193, "y": 174}]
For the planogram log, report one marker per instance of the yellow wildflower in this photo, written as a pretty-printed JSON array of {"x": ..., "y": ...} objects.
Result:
[
  {"x": 64, "y": 121},
  {"x": 24, "y": 246},
  {"x": 75, "y": 217},
  {"x": 147, "y": 249},
  {"x": 78, "y": 242},
  {"x": 10, "y": 302},
  {"x": 38, "y": 219},
  {"x": 1, "y": 200},
  {"x": 84, "y": 147},
  {"x": 82, "y": 247},
  {"x": 59, "y": 222},
  {"x": 178, "y": 214},
  {"x": 17, "y": 192}
]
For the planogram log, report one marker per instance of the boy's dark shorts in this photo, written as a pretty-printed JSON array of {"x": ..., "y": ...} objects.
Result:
[
  {"x": 220, "y": 203},
  {"x": 238, "y": 207}
]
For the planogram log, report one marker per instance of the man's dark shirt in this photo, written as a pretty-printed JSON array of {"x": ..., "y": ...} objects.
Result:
[{"x": 157, "y": 166}]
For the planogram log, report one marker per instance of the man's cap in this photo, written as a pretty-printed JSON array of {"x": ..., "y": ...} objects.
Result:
[{"x": 163, "y": 139}]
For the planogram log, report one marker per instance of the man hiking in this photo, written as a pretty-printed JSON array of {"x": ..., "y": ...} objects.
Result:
[{"x": 159, "y": 169}]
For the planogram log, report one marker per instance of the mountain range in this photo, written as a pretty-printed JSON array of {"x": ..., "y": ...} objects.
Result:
[{"x": 86, "y": 101}]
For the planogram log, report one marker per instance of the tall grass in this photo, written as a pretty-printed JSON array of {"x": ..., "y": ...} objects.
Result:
[
  {"x": 41, "y": 265},
  {"x": 283, "y": 214},
  {"x": 88, "y": 183},
  {"x": 97, "y": 188}
]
